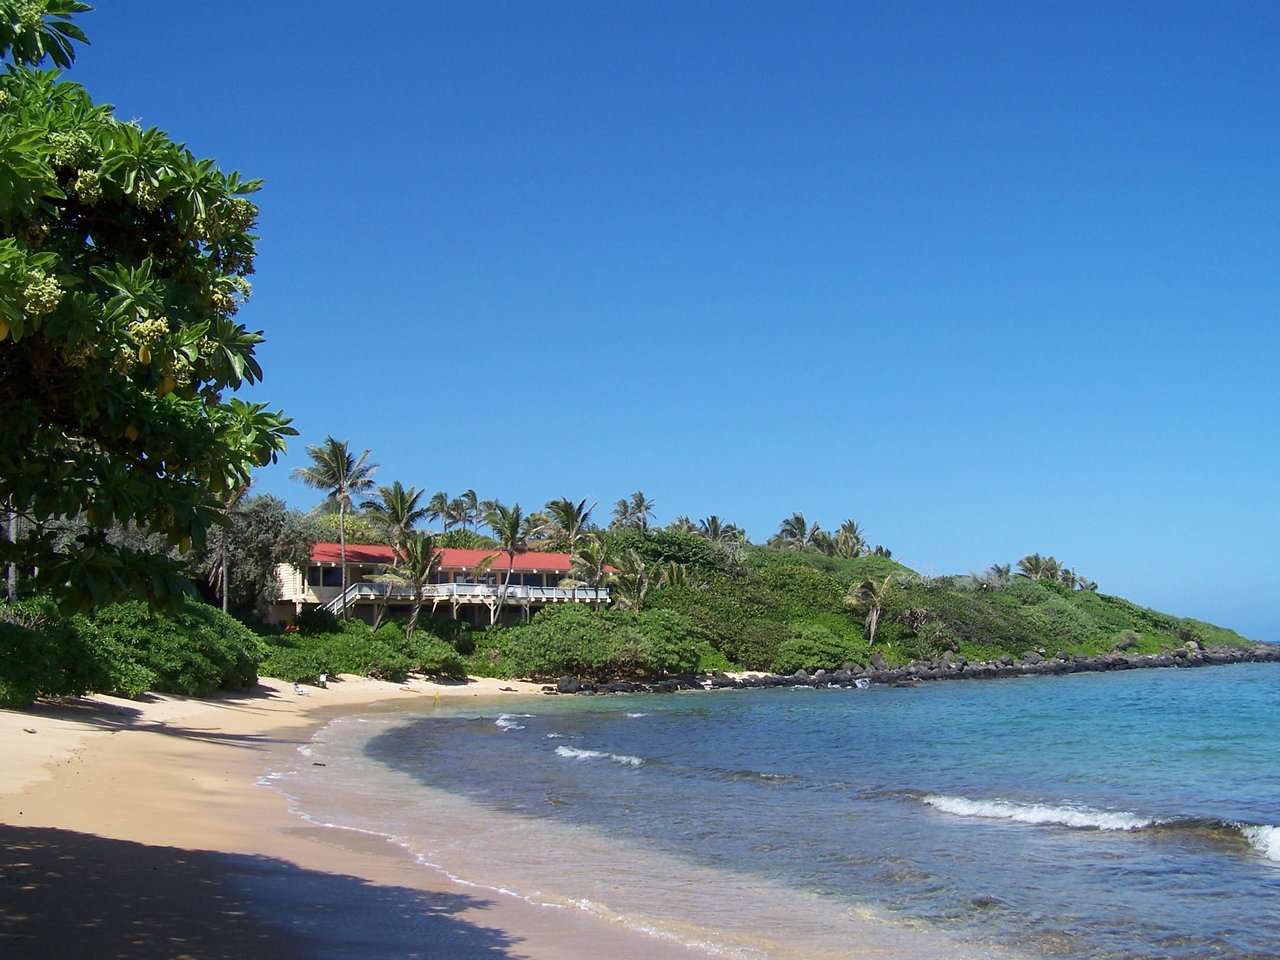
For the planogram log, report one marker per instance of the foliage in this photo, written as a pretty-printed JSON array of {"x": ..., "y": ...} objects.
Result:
[
  {"x": 571, "y": 639},
  {"x": 317, "y": 620},
  {"x": 659, "y": 546},
  {"x": 396, "y": 511},
  {"x": 462, "y": 539},
  {"x": 359, "y": 528},
  {"x": 811, "y": 646},
  {"x": 193, "y": 650},
  {"x": 123, "y": 261},
  {"x": 341, "y": 475},
  {"x": 41, "y": 654},
  {"x": 388, "y": 653},
  {"x": 261, "y": 533},
  {"x": 124, "y": 648}
]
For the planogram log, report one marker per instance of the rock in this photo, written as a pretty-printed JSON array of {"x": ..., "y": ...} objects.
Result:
[{"x": 568, "y": 685}]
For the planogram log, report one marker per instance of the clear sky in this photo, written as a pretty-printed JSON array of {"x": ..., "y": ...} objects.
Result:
[{"x": 991, "y": 278}]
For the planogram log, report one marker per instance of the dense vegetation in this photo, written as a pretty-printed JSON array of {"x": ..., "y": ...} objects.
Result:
[{"x": 123, "y": 262}]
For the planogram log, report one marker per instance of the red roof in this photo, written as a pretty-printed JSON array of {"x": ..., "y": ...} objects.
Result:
[{"x": 450, "y": 559}]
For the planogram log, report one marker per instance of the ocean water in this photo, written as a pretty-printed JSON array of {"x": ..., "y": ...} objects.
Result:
[{"x": 1126, "y": 815}]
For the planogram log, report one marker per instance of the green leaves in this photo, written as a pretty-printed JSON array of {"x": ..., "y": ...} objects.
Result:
[
  {"x": 31, "y": 30},
  {"x": 122, "y": 259}
]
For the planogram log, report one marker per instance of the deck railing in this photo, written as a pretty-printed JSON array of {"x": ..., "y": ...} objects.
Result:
[{"x": 465, "y": 593}]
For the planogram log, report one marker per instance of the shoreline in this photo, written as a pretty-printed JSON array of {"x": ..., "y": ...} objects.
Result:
[
  {"x": 946, "y": 666},
  {"x": 139, "y": 829}
]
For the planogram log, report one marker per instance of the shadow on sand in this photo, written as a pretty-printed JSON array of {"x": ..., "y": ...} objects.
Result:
[{"x": 66, "y": 894}]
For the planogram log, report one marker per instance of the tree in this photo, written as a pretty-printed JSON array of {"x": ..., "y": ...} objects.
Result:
[
  {"x": 341, "y": 475},
  {"x": 634, "y": 512},
  {"x": 717, "y": 531},
  {"x": 438, "y": 507},
  {"x": 796, "y": 533},
  {"x": 261, "y": 533},
  {"x": 568, "y": 522},
  {"x": 589, "y": 565},
  {"x": 221, "y": 556},
  {"x": 683, "y": 524},
  {"x": 513, "y": 532},
  {"x": 869, "y": 598},
  {"x": 396, "y": 510},
  {"x": 1035, "y": 567},
  {"x": 632, "y": 581},
  {"x": 849, "y": 540},
  {"x": 419, "y": 561},
  {"x": 123, "y": 261}
]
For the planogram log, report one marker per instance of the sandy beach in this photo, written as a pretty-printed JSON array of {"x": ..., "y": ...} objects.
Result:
[{"x": 137, "y": 829}]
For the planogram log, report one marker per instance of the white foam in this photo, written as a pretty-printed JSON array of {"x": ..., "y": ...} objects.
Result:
[
  {"x": 573, "y": 753},
  {"x": 634, "y": 716},
  {"x": 1266, "y": 840},
  {"x": 510, "y": 721},
  {"x": 1083, "y": 818}
]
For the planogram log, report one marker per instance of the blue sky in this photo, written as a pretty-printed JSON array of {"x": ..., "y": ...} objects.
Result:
[{"x": 989, "y": 278}]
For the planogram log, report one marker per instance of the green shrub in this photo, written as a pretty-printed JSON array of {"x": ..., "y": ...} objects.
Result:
[
  {"x": 812, "y": 646},
  {"x": 43, "y": 654},
  {"x": 193, "y": 651},
  {"x": 300, "y": 661},
  {"x": 572, "y": 639},
  {"x": 317, "y": 620}
]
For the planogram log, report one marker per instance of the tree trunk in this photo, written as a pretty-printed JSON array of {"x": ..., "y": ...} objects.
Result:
[
  {"x": 342, "y": 553},
  {"x": 12, "y": 573},
  {"x": 506, "y": 582}
]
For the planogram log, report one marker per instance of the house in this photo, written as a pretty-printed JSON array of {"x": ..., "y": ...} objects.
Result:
[{"x": 465, "y": 587}]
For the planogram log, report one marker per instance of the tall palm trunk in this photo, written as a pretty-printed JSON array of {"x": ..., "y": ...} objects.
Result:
[
  {"x": 12, "y": 573},
  {"x": 225, "y": 563},
  {"x": 342, "y": 553},
  {"x": 506, "y": 582}
]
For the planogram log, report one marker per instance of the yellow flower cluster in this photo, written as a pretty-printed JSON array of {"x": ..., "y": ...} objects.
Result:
[{"x": 42, "y": 294}]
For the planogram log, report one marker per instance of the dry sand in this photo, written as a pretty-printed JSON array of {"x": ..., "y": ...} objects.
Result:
[{"x": 137, "y": 830}]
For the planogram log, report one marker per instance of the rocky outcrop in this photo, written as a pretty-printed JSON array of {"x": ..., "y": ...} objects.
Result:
[{"x": 948, "y": 666}]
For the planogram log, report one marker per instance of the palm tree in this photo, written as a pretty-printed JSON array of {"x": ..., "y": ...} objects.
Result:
[
  {"x": 632, "y": 581},
  {"x": 869, "y": 598},
  {"x": 672, "y": 574},
  {"x": 683, "y": 524},
  {"x": 219, "y": 572},
  {"x": 419, "y": 561},
  {"x": 513, "y": 531},
  {"x": 849, "y": 540},
  {"x": 438, "y": 506},
  {"x": 1032, "y": 567},
  {"x": 795, "y": 532},
  {"x": 397, "y": 511},
  {"x": 634, "y": 512},
  {"x": 717, "y": 531},
  {"x": 568, "y": 521},
  {"x": 589, "y": 566},
  {"x": 341, "y": 475},
  {"x": 470, "y": 509}
]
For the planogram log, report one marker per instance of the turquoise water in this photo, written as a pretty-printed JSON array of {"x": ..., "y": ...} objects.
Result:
[{"x": 1117, "y": 815}]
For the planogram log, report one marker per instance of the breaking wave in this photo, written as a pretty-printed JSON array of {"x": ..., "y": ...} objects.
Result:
[
  {"x": 573, "y": 753},
  {"x": 1262, "y": 838},
  {"x": 511, "y": 721},
  {"x": 1265, "y": 839},
  {"x": 1081, "y": 818}
]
